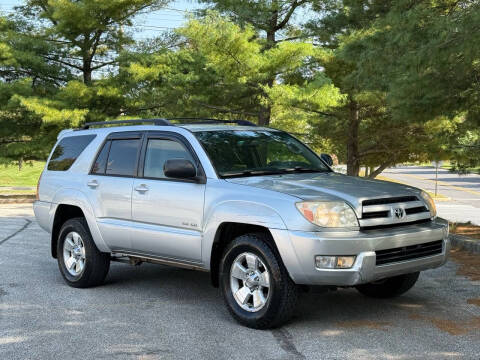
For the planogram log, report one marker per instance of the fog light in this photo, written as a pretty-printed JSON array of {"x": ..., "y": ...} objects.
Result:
[
  {"x": 334, "y": 262},
  {"x": 325, "y": 262}
]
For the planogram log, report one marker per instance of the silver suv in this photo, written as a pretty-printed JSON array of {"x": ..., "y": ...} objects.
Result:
[{"x": 252, "y": 205}]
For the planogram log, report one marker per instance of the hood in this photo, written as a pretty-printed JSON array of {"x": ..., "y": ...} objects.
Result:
[{"x": 328, "y": 186}]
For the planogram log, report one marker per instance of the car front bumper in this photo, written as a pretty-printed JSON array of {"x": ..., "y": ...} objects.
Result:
[{"x": 298, "y": 250}]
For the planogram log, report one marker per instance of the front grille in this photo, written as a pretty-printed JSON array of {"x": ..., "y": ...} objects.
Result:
[
  {"x": 409, "y": 252},
  {"x": 376, "y": 214},
  {"x": 393, "y": 211},
  {"x": 390, "y": 200},
  {"x": 416, "y": 210}
]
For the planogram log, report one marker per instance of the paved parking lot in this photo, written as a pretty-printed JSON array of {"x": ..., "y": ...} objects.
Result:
[{"x": 156, "y": 312}]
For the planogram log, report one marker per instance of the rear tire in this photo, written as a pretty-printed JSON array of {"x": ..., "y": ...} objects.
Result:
[
  {"x": 80, "y": 262},
  {"x": 260, "y": 296},
  {"x": 390, "y": 287}
]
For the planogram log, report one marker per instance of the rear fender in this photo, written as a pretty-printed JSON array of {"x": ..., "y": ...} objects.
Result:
[{"x": 77, "y": 198}]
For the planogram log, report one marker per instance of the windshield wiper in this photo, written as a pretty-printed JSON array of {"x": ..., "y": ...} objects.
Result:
[
  {"x": 252, "y": 173},
  {"x": 303, "y": 169}
]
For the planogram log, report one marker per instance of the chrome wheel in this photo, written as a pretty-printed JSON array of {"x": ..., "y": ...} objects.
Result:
[
  {"x": 74, "y": 253},
  {"x": 249, "y": 282}
]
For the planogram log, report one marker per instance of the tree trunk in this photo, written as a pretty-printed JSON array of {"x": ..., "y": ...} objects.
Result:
[
  {"x": 366, "y": 170},
  {"x": 379, "y": 170},
  {"x": 20, "y": 163},
  {"x": 87, "y": 69},
  {"x": 264, "y": 115},
  {"x": 266, "y": 111},
  {"x": 353, "y": 161},
  {"x": 87, "y": 75}
]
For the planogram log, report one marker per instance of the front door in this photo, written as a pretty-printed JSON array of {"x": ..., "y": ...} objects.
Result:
[{"x": 168, "y": 213}]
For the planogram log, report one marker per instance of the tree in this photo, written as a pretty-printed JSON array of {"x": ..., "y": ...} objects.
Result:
[
  {"x": 91, "y": 32},
  {"x": 346, "y": 124},
  {"x": 57, "y": 68},
  {"x": 219, "y": 68},
  {"x": 269, "y": 18},
  {"x": 424, "y": 56},
  {"x": 24, "y": 72}
]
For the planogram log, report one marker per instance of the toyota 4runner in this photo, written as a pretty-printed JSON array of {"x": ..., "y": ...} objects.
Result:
[{"x": 252, "y": 205}]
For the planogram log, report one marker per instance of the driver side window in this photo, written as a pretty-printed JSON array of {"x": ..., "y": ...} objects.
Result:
[{"x": 158, "y": 152}]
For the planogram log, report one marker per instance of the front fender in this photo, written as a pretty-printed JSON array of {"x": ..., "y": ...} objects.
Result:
[
  {"x": 236, "y": 211},
  {"x": 74, "y": 197}
]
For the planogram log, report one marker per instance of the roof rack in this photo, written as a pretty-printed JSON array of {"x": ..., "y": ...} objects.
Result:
[
  {"x": 196, "y": 120},
  {"x": 160, "y": 122},
  {"x": 166, "y": 122}
]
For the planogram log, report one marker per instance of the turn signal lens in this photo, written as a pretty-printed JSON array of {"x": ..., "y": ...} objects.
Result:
[
  {"x": 430, "y": 203},
  {"x": 334, "y": 262}
]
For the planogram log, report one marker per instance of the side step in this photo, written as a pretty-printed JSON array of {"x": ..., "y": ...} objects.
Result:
[{"x": 137, "y": 259}]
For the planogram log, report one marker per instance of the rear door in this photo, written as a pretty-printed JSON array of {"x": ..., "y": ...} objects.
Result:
[
  {"x": 168, "y": 213},
  {"x": 110, "y": 187}
]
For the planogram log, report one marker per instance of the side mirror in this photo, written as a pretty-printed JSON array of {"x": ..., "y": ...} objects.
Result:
[
  {"x": 327, "y": 158},
  {"x": 179, "y": 169}
]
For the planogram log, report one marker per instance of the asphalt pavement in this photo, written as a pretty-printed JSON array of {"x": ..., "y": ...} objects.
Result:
[
  {"x": 156, "y": 312},
  {"x": 460, "y": 194}
]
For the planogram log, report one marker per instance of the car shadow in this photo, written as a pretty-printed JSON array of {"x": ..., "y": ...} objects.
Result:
[{"x": 345, "y": 308}]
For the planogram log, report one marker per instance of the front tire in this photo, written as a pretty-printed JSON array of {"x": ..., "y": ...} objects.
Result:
[
  {"x": 80, "y": 262},
  {"x": 256, "y": 287},
  {"x": 390, "y": 287}
]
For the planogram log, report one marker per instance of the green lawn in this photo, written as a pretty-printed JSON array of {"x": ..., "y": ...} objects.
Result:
[{"x": 28, "y": 176}]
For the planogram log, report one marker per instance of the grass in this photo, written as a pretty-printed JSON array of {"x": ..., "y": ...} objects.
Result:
[{"x": 28, "y": 176}]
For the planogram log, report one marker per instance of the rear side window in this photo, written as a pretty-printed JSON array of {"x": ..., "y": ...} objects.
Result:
[
  {"x": 122, "y": 157},
  {"x": 67, "y": 151}
]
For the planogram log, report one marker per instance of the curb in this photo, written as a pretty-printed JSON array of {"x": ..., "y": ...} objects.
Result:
[
  {"x": 17, "y": 198},
  {"x": 465, "y": 243}
]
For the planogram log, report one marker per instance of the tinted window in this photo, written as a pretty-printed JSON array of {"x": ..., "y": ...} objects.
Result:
[
  {"x": 258, "y": 152},
  {"x": 122, "y": 158},
  {"x": 67, "y": 151},
  {"x": 159, "y": 151},
  {"x": 101, "y": 162}
]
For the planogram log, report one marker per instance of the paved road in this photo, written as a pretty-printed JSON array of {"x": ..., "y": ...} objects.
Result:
[
  {"x": 155, "y": 312},
  {"x": 462, "y": 191}
]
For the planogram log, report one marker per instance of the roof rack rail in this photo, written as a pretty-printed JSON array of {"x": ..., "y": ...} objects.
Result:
[
  {"x": 196, "y": 120},
  {"x": 160, "y": 122}
]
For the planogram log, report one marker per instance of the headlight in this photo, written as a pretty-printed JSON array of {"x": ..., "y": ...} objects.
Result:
[
  {"x": 430, "y": 203},
  {"x": 328, "y": 214}
]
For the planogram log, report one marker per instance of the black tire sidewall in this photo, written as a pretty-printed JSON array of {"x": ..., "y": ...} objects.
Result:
[
  {"x": 248, "y": 244},
  {"x": 79, "y": 227}
]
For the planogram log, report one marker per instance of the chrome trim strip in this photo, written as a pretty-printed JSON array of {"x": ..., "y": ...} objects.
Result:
[
  {"x": 390, "y": 220},
  {"x": 387, "y": 207}
]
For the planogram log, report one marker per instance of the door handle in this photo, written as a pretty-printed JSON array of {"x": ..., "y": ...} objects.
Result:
[
  {"x": 141, "y": 188},
  {"x": 93, "y": 183}
]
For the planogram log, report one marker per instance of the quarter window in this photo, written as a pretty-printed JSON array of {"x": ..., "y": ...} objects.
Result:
[
  {"x": 160, "y": 150},
  {"x": 122, "y": 158},
  {"x": 101, "y": 162},
  {"x": 67, "y": 151}
]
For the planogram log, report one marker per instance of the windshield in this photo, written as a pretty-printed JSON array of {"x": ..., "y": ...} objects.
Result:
[{"x": 236, "y": 153}]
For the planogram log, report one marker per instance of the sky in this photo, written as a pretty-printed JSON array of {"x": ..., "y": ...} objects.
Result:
[{"x": 147, "y": 25}]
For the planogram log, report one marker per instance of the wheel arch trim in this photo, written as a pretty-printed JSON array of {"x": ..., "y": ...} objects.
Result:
[{"x": 74, "y": 197}]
